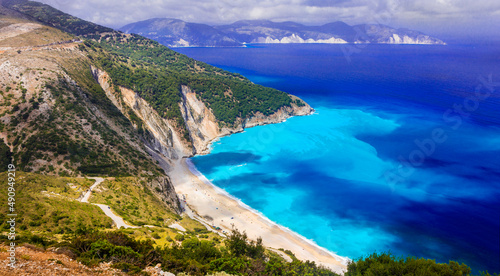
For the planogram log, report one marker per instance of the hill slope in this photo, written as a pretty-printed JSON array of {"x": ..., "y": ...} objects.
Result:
[
  {"x": 155, "y": 89},
  {"x": 175, "y": 32}
]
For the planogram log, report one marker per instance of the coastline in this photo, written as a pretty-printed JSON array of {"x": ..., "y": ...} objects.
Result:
[{"x": 215, "y": 207}]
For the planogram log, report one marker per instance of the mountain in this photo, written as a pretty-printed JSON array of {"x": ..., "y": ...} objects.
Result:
[
  {"x": 176, "y": 33},
  {"x": 388, "y": 35}
]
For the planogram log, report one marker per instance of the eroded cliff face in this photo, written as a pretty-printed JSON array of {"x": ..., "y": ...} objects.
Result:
[
  {"x": 200, "y": 121},
  {"x": 160, "y": 134},
  {"x": 279, "y": 116},
  {"x": 203, "y": 127},
  {"x": 163, "y": 189}
]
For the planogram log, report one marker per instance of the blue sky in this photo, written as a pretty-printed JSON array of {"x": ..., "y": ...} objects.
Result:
[{"x": 435, "y": 17}]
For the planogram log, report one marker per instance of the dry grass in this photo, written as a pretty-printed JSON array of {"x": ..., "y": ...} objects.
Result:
[
  {"x": 129, "y": 198},
  {"x": 40, "y": 262},
  {"x": 16, "y": 37},
  {"x": 47, "y": 205}
]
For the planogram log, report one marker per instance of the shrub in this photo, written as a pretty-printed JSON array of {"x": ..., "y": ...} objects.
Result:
[
  {"x": 238, "y": 245},
  {"x": 387, "y": 264}
]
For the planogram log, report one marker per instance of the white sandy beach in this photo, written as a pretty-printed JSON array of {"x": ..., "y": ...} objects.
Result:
[{"x": 219, "y": 209}]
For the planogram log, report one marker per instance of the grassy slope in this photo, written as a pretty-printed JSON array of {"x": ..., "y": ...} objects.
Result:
[
  {"x": 47, "y": 206},
  {"x": 130, "y": 199},
  {"x": 41, "y": 36},
  {"x": 133, "y": 201}
]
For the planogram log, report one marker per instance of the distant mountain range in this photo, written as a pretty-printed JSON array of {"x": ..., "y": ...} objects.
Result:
[{"x": 178, "y": 33}]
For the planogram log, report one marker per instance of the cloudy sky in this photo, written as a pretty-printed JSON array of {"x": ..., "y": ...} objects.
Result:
[{"x": 435, "y": 17}]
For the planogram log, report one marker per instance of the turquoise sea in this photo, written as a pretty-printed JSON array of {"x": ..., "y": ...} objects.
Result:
[{"x": 401, "y": 154}]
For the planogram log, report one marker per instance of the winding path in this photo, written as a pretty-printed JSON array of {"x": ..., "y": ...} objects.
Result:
[
  {"x": 119, "y": 222},
  {"x": 86, "y": 196}
]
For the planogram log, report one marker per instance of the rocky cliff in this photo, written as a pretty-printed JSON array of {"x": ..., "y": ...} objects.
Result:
[
  {"x": 161, "y": 135},
  {"x": 163, "y": 189}
]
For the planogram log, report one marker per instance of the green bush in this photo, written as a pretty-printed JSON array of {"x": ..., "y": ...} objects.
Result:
[
  {"x": 106, "y": 251},
  {"x": 387, "y": 264},
  {"x": 238, "y": 244},
  {"x": 233, "y": 265}
]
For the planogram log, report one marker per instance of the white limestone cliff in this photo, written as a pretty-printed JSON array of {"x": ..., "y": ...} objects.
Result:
[{"x": 162, "y": 135}]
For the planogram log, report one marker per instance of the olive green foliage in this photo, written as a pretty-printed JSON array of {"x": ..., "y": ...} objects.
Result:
[
  {"x": 191, "y": 256},
  {"x": 51, "y": 212},
  {"x": 238, "y": 245},
  {"x": 5, "y": 156},
  {"x": 299, "y": 103},
  {"x": 92, "y": 247},
  {"x": 201, "y": 257},
  {"x": 387, "y": 264},
  {"x": 56, "y": 18}
]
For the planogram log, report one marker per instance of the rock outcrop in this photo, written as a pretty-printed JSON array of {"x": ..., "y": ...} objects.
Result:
[
  {"x": 163, "y": 189},
  {"x": 203, "y": 127}
]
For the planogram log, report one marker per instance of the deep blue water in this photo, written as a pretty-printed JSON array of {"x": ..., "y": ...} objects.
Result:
[{"x": 402, "y": 154}]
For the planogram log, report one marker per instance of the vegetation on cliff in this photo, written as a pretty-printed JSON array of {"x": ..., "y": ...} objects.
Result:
[
  {"x": 156, "y": 72},
  {"x": 236, "y": 255},
  {"x": 388, "y": 264},
  {"x": 5, "y": 156}
]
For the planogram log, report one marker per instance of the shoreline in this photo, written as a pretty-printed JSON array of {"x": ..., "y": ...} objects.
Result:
[
  {"x": 209, "y": 144},
  {"x": 216, "y": 207}
]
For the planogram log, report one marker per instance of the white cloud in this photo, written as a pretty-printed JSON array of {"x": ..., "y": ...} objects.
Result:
[{"x": 429, "y": 15}]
